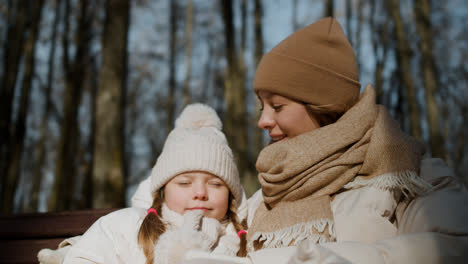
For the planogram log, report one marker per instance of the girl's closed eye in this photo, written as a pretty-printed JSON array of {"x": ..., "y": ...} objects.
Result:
[
  {"x": 216, "y": 183},
  {"x": 183, "y": 183}
]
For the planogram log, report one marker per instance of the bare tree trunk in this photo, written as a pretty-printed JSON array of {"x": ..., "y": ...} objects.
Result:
[
  {"x": 258, "y": 31},
  {"x": 172, "y": 65},
  {"x": 235, "y": 121},
  {"x": 40, "y": 157},
  {"x": 108, "y": 170},
  {"x": 19, "y": 132},
  {"x": 329, "y": 8},
  {"x": 12, "y": 55},
  {"x": 423, "y": 26},
  {"x": 249, "y": 179},
  {"x": 243, "y": 35},
  {"x": 349, "y": 14},
  {"x": 357, "y": 43},
  {"x": 258, "y": 134},
  {"x": 188, "y": 51},
  {"x": 403, "y": 54},
  {"x": 380, "y": 41},
  {"x": 208, "y": 72},
  {"x": 65, "y": 168},
  {"x": 295, "y": 24},
  {"x": 399, "y": 113},
  {"x": 87, "y": 184}
]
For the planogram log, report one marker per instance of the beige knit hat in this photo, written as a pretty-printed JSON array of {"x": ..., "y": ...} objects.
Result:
[
  {"x": 197, "y": 144},
  {"x": 315, "y": 65}
]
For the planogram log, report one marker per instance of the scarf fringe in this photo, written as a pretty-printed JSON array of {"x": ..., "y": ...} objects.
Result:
[
  {"x": 296, "y": 233},
  {"x": 408, "y": 182}
]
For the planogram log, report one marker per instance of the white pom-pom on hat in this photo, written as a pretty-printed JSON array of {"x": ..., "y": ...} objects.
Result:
[{"x": 198, "y": 116}]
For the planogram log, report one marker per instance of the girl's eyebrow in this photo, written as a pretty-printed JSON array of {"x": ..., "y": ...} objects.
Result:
[
  {"x": 215, "y": 178},
  {"x": 184, "y": 176}
]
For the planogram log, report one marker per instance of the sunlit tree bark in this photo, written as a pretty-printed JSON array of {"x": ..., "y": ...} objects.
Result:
[
  {"x": 422, "y": 10},
  {"x": 403, "y": 54},
  {"x": 170, "y": 103},
  {"x": 234, "y": 93},
  {"x": 380, "y": 43},
  {"x": 13, "y": 51},
  {"x": 109, "y": 167},
  {"x": 329, "y": 8},
  {"x": 188, "y": 51},
  {"x": 294, "y": 22},
  {"x": 66, "y": 161},
  {"x": 349, "y": 14},
  {"x": 19, "y": 130},
  {"x": 357, "y": 38},
  {"x": 258, "y": 134},
  {"x": 40, "y": 153}
]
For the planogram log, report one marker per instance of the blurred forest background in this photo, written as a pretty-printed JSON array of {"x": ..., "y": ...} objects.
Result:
[{"x": 90, "y": 89}]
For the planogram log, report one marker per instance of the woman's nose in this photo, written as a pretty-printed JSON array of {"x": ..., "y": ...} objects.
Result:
[
  {"x": 266, "y": 121},
  {"x": 200, "y": 192}
]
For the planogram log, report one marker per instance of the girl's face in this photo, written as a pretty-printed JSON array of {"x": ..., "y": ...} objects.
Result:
[
  {"x": 284, "y": 118},
  {"x": 197, "y": 191}
]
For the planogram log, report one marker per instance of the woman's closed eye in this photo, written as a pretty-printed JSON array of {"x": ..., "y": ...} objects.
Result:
[{"x": 277, "y": 107}]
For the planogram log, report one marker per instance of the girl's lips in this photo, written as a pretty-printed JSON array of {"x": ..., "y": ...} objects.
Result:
[{"x": 199, "y": 208}]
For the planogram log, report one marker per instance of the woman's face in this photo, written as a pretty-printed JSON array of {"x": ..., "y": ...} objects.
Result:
[
  {"x": 197, "y": 191},
  {"x": 284, "y": 118}
]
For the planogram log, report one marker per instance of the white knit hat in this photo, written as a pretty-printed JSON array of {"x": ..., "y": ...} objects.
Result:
[{"x": 197, "y": 144}]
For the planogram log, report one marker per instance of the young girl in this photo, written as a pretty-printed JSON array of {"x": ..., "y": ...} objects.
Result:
[
  {"x": 341, "y": 182},
  {"x": 197, "y": 201}
]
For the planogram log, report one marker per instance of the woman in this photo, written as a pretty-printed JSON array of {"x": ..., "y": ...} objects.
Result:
[{"x": 340, "y": 181}]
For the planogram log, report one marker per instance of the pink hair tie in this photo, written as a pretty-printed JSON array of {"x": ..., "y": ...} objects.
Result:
[
  {"x": 241, "y": 232},
  {"x": 152, "y": 210}
]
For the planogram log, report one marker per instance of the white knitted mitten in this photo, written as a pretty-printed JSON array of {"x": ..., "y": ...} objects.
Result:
[
  {"x": 213, "y": 229},
  {"x": 228, "y": 245},
  {"x": 196, "y": 233},
  {"x": 229, "y": 242},
  {"x": 49, "y": 256}
]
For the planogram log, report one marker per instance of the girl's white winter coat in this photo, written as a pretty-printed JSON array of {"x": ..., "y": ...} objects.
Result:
[{"x": 111, "y": 239}]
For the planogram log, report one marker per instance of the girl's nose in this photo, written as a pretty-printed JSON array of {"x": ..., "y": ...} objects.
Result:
[
  {"x": 200, "y": 192},
  {"x": 266, "y": 121}
]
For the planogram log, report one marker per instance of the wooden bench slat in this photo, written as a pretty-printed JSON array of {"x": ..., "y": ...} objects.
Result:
[
  {"x": 25, "y": 251},
  {"x": 49, "y": 225}
]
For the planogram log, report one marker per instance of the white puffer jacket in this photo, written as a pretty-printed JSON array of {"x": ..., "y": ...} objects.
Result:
[
  {"x": 372, "y": 227},
  {"x": 114, "y": 238}
]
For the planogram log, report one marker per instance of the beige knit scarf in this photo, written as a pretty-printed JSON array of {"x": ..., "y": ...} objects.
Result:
[{"x": 298, "y": 175}]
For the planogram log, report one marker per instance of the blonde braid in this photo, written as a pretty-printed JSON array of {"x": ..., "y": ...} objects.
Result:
[
  {"x": 151, "y": 228},
  {"x": 232, "y": 214}
]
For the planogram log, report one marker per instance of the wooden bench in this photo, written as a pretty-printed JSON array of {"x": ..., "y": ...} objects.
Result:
[{"x": 23, "y": 235}]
